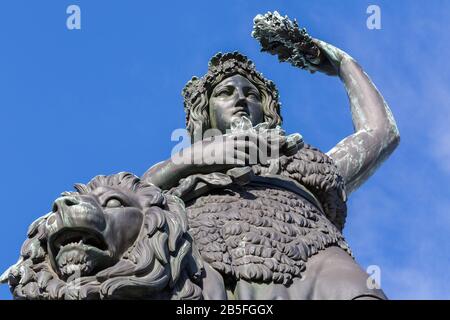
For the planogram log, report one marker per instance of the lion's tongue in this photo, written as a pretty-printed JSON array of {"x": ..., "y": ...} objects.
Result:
[
  {"x": 71, "y": 254},
  {"x": 73, "y": 260}
]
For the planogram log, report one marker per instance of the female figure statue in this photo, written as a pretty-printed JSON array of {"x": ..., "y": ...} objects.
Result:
[{"x": 272, "y": 229}]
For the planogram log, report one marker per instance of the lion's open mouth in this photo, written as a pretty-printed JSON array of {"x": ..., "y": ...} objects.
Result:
[
  {"x": 86, "y": 237},
  {"x": 79, "y": 251}
]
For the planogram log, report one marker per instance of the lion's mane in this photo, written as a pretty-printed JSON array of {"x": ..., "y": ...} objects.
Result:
[{"x": 161, "y": 264}]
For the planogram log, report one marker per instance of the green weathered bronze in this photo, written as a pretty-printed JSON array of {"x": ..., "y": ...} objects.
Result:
[{"x": 265, "y": 223}]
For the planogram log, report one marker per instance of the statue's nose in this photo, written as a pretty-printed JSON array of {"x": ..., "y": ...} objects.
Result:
[
  {"x": 241, "y": 95},
  {"x": 241, "y": 100},
  {"x": 64, "y": 202}
]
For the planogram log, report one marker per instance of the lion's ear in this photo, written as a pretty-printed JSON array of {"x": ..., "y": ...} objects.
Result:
[
  {"x": 177, "y": 206},
  {"x": 153, "y": 197}
]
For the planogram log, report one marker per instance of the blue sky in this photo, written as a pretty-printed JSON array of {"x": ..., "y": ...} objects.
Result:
[{"x": 106, "y": 98}]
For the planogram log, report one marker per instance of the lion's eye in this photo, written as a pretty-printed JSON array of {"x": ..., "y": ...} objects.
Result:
[{"x": 113, "y": 203}]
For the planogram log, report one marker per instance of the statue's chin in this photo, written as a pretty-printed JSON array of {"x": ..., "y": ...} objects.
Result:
[{"x": 80, "y": 260}]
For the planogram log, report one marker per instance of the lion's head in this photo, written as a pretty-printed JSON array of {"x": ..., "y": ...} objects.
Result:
[{"x": 116, "y": 237}]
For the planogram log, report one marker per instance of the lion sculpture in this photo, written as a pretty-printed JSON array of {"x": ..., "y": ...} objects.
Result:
[
  {"x": 115, "y": 238},
  {"x": 118, "y": 237}
]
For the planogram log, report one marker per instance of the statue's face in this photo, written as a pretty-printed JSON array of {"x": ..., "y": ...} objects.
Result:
[{"x": 234, "y": 97}]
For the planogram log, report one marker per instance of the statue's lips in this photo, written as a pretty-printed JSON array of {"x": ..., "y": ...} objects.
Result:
[{"x": 240, "y": 111}]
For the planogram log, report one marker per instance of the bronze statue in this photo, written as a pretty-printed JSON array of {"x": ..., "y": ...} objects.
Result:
[
  {"x": 114, "y": 238},
  {"x": 266, "y": 222}
]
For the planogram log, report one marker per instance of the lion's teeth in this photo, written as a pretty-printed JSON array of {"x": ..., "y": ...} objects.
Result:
[
  {"x": 63, "y": 260},
  {"x": 71, "y": 268}
]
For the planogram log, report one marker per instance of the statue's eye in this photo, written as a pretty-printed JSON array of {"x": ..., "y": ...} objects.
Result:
[
  {"x": 225, "y": 92},
  {"x": 113, "y": 203},
  {"x": 254, "y": 95}
]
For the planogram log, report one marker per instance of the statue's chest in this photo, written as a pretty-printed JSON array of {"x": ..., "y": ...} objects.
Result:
[{"x": 258, "y": 232}]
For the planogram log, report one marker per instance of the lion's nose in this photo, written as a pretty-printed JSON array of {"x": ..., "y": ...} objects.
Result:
[{"x": 64, "y": 202}]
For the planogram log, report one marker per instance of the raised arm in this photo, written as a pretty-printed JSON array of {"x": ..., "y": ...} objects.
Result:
[{"x": 376, "y": 134}]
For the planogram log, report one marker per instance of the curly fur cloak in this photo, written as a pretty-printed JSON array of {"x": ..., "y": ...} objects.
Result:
[{"x": 266, "y": 234}]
